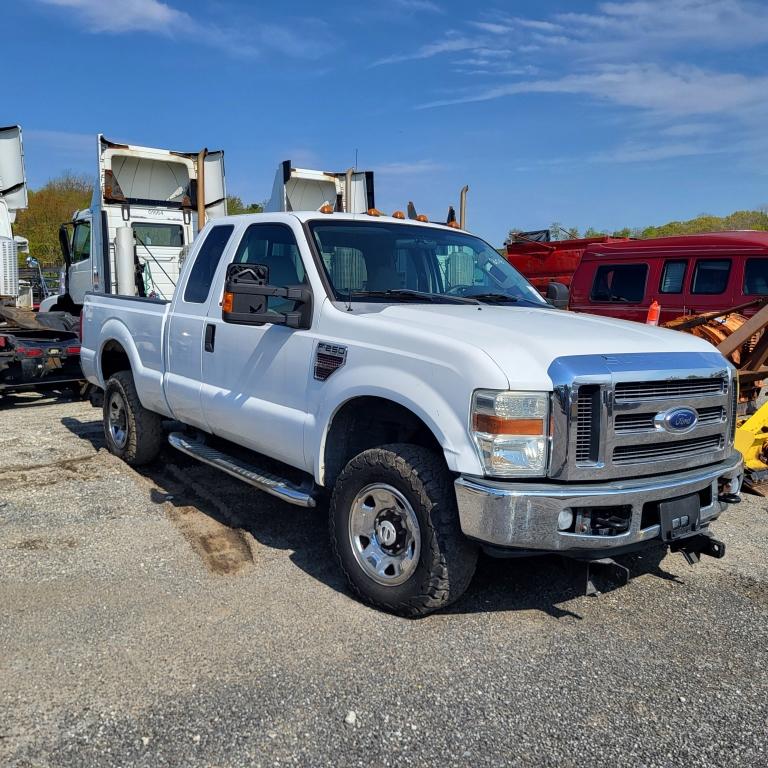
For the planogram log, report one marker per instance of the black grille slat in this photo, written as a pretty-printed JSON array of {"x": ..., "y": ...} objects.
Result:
[
  {"x": 734, "y": 408},
  {"x": 628, "y": 391},
  {"x": 587, "y": 424},
  {"x": 635, "y": 454}
]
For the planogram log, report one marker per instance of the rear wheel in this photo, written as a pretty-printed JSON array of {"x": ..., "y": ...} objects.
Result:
[
  {"x": 395, "y": 530},
  {"x": 132, "y": 432}
]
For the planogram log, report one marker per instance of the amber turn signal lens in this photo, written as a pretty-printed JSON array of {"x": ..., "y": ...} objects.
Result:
[
  {"x": 326, "y": 209},
  {"x": 373, "y": 212},
  {"x": 495, "y": 425},
  {"x": 398, "y": 215},
  {"x": 421, "y": 217},
  {"x": 454, "y": 225},
  {"x": 227, "y": 302}
]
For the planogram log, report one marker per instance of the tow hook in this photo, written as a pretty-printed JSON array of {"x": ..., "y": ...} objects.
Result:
[{"x": 694, "y": 547}]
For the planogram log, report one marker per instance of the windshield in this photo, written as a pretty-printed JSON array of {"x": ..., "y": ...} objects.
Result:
[{"x": 400, "y": 262}]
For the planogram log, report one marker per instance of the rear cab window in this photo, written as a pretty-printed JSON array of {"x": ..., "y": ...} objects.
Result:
[
  {"x": 204, "y": 268},
  {"x": 621, "y": 283},
  {"x": 711, "y": 276},
  {"x": 756, "y": 277}
]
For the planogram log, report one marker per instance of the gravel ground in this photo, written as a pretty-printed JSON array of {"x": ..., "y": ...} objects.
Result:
[{"x": 177, "y": 617}]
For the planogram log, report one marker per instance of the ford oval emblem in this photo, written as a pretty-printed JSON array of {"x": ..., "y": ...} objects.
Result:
[{"x": 677, "y": 420}]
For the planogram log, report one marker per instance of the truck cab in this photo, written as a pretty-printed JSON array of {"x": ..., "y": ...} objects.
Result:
[{"x": 162, "y": 195}]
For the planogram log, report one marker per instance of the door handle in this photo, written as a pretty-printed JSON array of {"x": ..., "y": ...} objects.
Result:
[{"x": 210, "y": 337}]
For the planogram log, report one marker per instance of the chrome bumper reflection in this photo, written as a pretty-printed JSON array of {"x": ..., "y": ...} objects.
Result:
[{"x": 524, "y": 515}]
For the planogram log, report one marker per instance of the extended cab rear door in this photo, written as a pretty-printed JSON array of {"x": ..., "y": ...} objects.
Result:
[{"x": 186, "y": 327}]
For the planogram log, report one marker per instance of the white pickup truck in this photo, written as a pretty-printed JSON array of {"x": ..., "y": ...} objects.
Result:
[{"x": 407, "y": 370}]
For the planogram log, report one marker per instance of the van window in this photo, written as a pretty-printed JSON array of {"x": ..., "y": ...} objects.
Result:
[
  {"x": 711, "y": 276},
  {"x": 673, "y": 277},
  {"x": 620, "y": 282},
  {"x": 204, "y": 268},
  {"x": 756, "y": 277}
]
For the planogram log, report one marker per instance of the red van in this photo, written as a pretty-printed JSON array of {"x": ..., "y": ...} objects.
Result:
[{"x": 686, "y": 275}]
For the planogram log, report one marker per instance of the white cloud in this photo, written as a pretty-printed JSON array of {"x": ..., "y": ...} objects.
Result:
[
  {"x": 675, "y": 92},
  {"x": 159, "y": 18},
  {"x": 419, "y": 5},
  {"x": 131, "y": 16},
  {"x": 448, "y": 45}
]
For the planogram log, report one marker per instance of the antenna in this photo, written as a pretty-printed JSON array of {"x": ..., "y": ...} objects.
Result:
[{"x": 355, "y": 158}]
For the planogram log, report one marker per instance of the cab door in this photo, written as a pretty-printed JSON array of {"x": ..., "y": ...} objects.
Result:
[{"x": 255, "y": 377}]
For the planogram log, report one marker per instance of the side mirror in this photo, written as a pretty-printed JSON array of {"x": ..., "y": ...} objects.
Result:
[
  {"x": 246, "y": 296},
  {"x": 557, "y": 295}
]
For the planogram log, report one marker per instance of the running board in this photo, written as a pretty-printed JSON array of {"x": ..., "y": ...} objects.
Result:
[{"x": 264, "y": 481}]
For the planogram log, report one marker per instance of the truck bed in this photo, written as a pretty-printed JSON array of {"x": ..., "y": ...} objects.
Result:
[{"x": 137, "y": 322}]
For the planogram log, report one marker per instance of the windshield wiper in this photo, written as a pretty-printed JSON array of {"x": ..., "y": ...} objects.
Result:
[
  {"x": 494, "y": 298},
  {"x": 404, "y": 293},
  {"x": 503, "y": 298}
]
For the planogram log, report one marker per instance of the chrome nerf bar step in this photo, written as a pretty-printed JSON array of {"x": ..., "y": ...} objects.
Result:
[{"x": 264, "y": 481}]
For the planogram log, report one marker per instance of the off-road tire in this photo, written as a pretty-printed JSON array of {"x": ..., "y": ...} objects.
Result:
[
  {"x": 447, "y": 559},
  {"x": 144, "y": 428}
]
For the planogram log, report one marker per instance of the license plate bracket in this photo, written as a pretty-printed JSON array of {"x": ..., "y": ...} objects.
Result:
[{"x": 679, "y": 517}]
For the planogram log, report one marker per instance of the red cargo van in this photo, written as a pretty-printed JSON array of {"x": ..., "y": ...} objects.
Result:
[{"x": 686, "y": 275}]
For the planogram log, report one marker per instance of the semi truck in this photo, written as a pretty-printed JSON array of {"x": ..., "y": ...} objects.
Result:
[
  {"x": 159, "y": 198},
  {"x": 403, "y": 376}
]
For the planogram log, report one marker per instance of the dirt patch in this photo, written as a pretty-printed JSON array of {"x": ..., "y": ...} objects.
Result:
[
  {"x": 42, "y": 475},
  {"x": 38, "y": 544},
  {"x": 223, "y": 550}
]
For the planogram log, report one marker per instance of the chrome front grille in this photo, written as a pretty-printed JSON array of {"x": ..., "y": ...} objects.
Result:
[
  {"x": 615, "y": 413},
  {"x": 630, "y": 391},
  {"x": 643, "y": 453}
]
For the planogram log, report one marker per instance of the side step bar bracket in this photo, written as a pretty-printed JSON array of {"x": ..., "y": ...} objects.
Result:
[{"x": 300, "y": 496}]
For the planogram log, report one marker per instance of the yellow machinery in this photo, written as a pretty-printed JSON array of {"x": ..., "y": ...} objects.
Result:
[{"x": 752, "y": 442}]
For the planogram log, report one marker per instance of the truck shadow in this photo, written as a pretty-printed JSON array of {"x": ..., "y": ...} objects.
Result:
[{"x": 225, "y": 521}]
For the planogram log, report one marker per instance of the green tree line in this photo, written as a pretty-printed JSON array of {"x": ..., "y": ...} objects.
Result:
[{"x": 757, "y": 219}]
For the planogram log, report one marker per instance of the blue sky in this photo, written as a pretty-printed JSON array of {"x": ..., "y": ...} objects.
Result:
[{"x": 589, "y": 113}]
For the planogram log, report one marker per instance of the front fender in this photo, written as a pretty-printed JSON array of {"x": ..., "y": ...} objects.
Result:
[{"x": 448, "y": 421}]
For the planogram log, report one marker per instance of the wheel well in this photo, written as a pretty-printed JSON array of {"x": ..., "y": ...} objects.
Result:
[
  {"x": 367, "y": 422},
  {"x": 113, "y": 359}
]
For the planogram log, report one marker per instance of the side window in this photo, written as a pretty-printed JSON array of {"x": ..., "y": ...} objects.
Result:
[
  {"x": 673, "y": 277},
  {"x": 204, "y": 268},
  {"x": 711, "y": 276},
  {"x": 81, "y": 241},
  {"x": 275, "y": 246},
  {"x": 620, "y": 283},
  {"x": 756, "y": 277}
]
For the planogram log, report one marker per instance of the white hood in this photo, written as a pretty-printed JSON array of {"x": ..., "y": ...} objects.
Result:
[{"x": 524, "y": 341}]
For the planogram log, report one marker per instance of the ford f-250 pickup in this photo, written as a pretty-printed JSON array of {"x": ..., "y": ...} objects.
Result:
[{"x": 408, "y": 371}]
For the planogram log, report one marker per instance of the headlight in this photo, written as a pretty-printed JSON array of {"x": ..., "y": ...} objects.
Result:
[{"x": 511, "y": 431}]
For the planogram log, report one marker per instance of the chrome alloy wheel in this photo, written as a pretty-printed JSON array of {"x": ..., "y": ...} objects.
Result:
[
  {"x": 384, "y": 534},
  {"x": 117, "y": 420}
]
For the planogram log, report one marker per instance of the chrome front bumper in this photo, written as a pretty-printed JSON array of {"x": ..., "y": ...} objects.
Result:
[{"x": 524, "y": 515}]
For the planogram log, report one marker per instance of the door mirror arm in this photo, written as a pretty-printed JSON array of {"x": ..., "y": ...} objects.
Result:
[{"x": 246, "y": 294}]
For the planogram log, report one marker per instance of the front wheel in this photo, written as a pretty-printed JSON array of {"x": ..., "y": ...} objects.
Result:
[{"x": 395, "y": 530}]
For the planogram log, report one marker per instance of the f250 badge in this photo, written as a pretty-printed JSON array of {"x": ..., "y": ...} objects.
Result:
[
  {"x": 328, "y": 358},
  {"x": 676, "y": 420}
]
